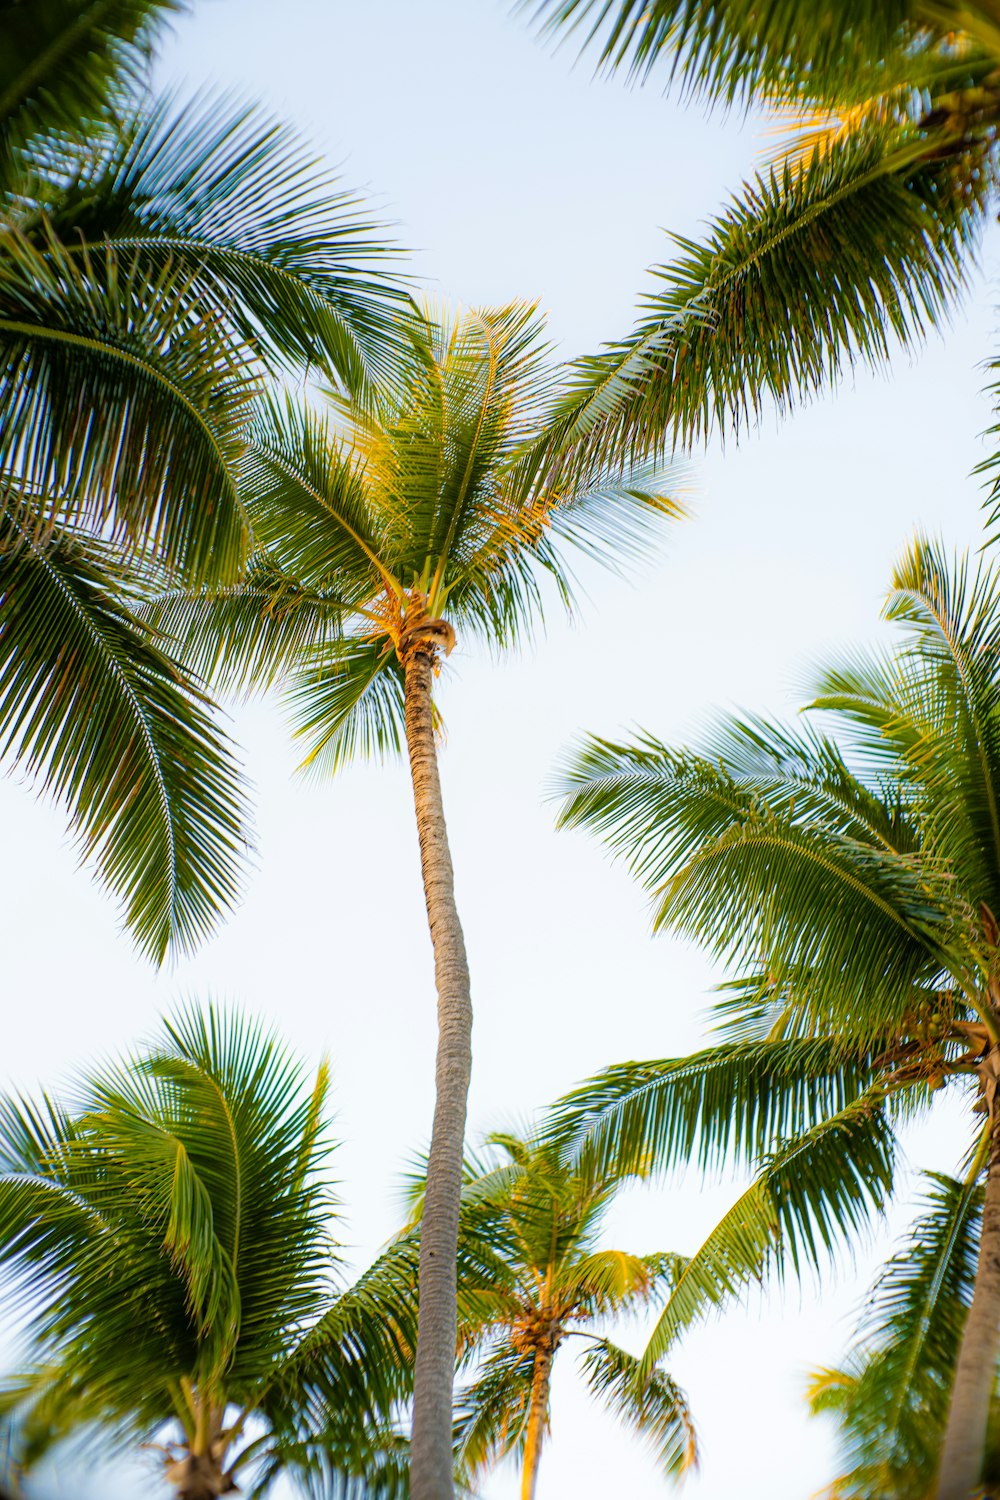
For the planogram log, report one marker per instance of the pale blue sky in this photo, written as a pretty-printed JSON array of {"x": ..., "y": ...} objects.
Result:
[{"x": 518, "y": 175}]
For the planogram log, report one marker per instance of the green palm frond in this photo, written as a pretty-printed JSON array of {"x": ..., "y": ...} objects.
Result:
[
  {"x": 109, "y": 725},
  {"x": 350, "y": 705},
  {"x": 810, "y": 1197},
  {"x": 259, "y": 225},
  {"x": 752, "y": 315},
  {"x": 736, "y": 51},
  {"x": 122, "y": 404},
  {"x": 491, "y": 1413},
  {"x": 169, "y": 1243},
  {"x": 891, "y": 1400},
  {"x": 612, "y": 1280},
  {"x": 247, "y": 638},
  {"x": 754, "y": 876},
  {"x": 719, "y": 1107},
  {"x": 652, "y": 1404},
  {"x": 67, "y": 62},
  {"x": 343, "y": 1463},
  {"x": 311, "y": 509}
]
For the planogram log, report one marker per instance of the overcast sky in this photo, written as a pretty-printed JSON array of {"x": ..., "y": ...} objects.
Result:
[{"x": 514, "y": 173}]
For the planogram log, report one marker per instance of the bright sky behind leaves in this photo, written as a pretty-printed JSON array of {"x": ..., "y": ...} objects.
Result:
[{"x": 518, "y": 175}]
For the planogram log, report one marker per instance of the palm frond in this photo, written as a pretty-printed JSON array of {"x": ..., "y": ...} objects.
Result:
[
  {"x": 812, "y": 1195},
  {"x": 752, "y": 314},
  {"x": 123, "y": 404},
  {"x": 755, "y": 879},
  {"x": 349, "y": 705},
  {"x": 258, "y": 224},
  {"x": 721, "y": 1106},
  {"x": 92, "y": 707},
  {"x": 249, "y": 637},
  {"x": 66, "y": 62},
  {"x": 891, "y": 1400},
  {"x": 737, "y": 51},
  {"x": 652, "y": 1404},
  {"x": 491, "y": 1414}
]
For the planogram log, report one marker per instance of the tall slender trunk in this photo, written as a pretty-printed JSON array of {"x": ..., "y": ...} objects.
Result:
[
  {"x": 431, "y": 1452},
  {"x": 537, "y": 1413},
  {"x": 975, "y": 1373}
]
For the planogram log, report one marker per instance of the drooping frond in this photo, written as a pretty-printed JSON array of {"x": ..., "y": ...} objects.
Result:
[
  {"x": 812, "y": 1195},
  {"x": 93, "y": 708},
  {"x": 650, "y": 1403},
  {"x": 737, "y": 50},
  {"x": 753, "y": 872},
  {"x": 491, "y": 1413},
  {"x": 722, "y": 1106},
  {"x": 349, "y": 705},
  {"x": 752, "y": 316},
  {"x": 249, "y": 637},
  {"x": 123, "y": 403},
  {"x": 236, "y": 200}
]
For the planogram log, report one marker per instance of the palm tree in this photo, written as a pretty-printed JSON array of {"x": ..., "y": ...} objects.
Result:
[
  {"x": 551, "y": 1282},
  {"x": 381, "y": 541},
  {"x": 855, "y": 888},
  {"x": 168, "y": 1241},
  {"x": 858, "y": 237},
  {"x": 890, "y": 1399},
  {"x": 156, "y": 265}
]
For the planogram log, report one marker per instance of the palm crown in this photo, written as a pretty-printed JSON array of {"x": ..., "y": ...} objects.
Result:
[
  {"x": 406, "y": 514},
  {"x": 550, "y": 1282},
  {"x": 169, "y": 1237},
  {"x": 854, "y": 883}
]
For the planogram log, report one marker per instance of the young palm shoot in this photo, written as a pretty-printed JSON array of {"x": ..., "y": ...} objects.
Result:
[
  {"x": 410, "y": 523},
  {"x": 552, "y": 1283},
  {"x": 168, "y": 1239},
  {"x": 855, "y": 881}
]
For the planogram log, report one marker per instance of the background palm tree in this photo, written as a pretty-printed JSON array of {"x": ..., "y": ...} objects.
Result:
[
  {"x": 168, "y": 1239},
  {"x": 551, "y": 1282},
  {"x": 858, "y": 237},
  {"x": 382, "y": 539},
  {"x": 855, "y": 887},
  {"x": 156, "y": 265}
]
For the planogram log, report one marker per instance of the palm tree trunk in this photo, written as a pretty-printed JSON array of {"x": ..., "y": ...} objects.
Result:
[
  {"x": 431, "y": 1452},
  {"x": 537, "y": 1413},
  {"x": 964, "y": 1447}
]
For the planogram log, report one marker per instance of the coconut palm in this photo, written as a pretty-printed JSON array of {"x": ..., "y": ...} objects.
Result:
[
  {"x": 382, "y": 540},
  {"x": 551, "y": 1282},
  {"x": 890, "y": 1399},
  {"x": 854, "y": 882},
  {"x": 155, "y": 265},
  {"x": 167, "y": 1237},
  {"x": 858, "y": 237}
]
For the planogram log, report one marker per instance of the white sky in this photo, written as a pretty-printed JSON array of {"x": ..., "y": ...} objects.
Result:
[{"x": 518, "y": 175}]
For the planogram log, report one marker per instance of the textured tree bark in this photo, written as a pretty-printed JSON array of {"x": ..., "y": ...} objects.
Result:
[
  {"x": 431, "y": 1452},
  {"x": 536, "y": 1421},
  {"x": 975, "y": 1374}
]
